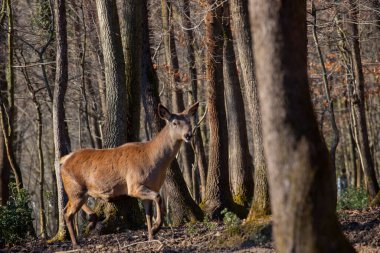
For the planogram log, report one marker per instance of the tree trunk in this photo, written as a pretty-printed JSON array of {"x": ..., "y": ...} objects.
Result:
[
  {"x": 4, "y": 164},
  {"x": 180, "y": 201},
  {"x": 199, "y": 152},
  {"x": 239, "y": 160},
  {"x": 218, "y": 195},
  {"x": 187, "y": 155},
  {"x": 240, "y": 21},
  {"x": 299, "y": 167},
  {"x": 61, "y": 138},
  {"x": 125, "y": 211},
  {"x": 131, "y": 36},
  {"x": 358, "y": 104},
  {"x": 7, "y": 109}
]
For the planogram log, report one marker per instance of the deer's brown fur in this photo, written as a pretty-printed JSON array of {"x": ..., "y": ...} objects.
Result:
[{"x": 136, "y": 169}]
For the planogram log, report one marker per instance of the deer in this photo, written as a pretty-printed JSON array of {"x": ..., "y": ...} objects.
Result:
[{"x": 136, "y": 169}]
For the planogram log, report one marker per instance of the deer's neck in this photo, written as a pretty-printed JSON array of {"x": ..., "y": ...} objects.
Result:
[{"x": 163, "y": 146}]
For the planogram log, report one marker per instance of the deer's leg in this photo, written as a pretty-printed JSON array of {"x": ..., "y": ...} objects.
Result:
[
  {"x": 72, "y": 207},
  {"x": 92, "y": 217},
  {"x": 145, "y": 193},
  {"x": 148, "y": 214}
]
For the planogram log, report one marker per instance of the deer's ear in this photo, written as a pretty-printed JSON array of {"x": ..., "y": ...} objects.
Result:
[
  {"x": 192, "y": 109},
  {"x": 163, "y": 112}
]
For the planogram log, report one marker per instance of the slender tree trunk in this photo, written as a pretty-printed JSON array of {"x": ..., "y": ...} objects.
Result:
[
  {"x": 239, "y": 162},
  {"x": 187, "y": 155},
  {"x": 299, "y": 167},
  {"x": 358, "y": 104},
  {"x": 61, "y": 138},
  {"x": 4, "y": 164},
  {"x": 336, "y": 136},
  {"x": 199, "y": 150},
  {"x": 180, "y": 201},
  {"x": 126, "y": 210},
  {"x": 7, "y": 109}
]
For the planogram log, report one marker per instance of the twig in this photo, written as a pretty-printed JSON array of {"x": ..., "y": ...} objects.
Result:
[
  {"x": 136, "y": 243},
  {"x": 73, "y": 250}
]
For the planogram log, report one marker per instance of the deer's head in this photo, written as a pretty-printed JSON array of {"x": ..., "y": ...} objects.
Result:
[{"x": 179, "y": 123}]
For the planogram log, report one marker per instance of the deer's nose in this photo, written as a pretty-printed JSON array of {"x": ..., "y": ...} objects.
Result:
[{"x": 188, "y": 136}]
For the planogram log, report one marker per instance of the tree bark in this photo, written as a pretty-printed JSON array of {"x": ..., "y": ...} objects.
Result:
[
  {"x": 180, "y": 201},
  {"x": 240, "y": 21},
  {"x": 299, "y": 167},
  {"x": 358, "y": 104},
  {"x": 239, "y": 162},
  {"x": 124, "y": 212}
]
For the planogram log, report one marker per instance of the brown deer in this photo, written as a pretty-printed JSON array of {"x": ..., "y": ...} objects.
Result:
[{"x": 135, "y": 169}]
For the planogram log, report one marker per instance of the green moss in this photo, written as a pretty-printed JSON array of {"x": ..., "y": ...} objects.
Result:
[
  {"x": 61, "y": 235},
  {"x": 240, "y": 199},
  {"x": 257, "y": 232}
]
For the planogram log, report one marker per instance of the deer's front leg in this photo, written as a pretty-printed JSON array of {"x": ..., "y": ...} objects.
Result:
[{"x": 145, "y": 193}]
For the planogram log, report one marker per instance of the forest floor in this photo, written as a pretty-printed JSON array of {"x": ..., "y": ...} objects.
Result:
[{"x": 362, "y": 228}]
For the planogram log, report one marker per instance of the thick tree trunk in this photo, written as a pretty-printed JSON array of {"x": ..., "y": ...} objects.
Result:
[
  {"x": 240, "y": 21},
  {"x": 180, "y": 201},
  {"x": 299, "y": 168},
  {"x": 358, "y": 104},
  {"x": 239, "y": 160},
  {"x": 218, "y": 195},
  {"x": 61, "y": 138},
  {"x": 123, "y": 212}
]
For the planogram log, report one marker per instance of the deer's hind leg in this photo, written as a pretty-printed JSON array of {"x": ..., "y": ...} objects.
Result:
[
  {"x": 92, "y": 217},
  {"x": 148, "y": 214},
  {"x": 72, "y": 207}
]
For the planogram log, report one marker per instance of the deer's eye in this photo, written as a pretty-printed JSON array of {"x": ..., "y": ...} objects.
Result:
[{"x": 175, "y": 123}]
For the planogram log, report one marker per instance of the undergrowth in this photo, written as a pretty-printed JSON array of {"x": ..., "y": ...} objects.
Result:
[
  {"x": 15, "y": 217},
  {"x": 353, "y": 198}
]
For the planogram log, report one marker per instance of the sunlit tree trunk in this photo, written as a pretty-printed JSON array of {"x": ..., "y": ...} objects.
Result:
[{"x": 61, "y": 138}]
